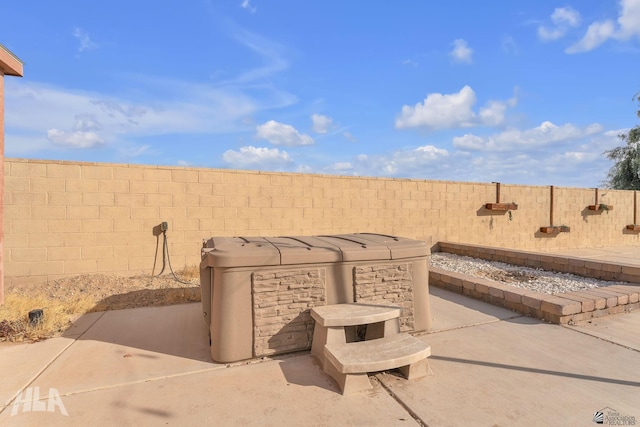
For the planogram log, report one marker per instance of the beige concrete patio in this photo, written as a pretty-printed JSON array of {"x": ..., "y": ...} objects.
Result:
[{"x": 490, "y": 366}]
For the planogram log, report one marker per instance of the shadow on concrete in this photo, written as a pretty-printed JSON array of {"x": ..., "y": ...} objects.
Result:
[
  {"x": 538, "y": 371},
  {"x": 452, "y": 310},
  {"x": 306, "y": 371},
  {"x": 148, "y": 323},
  {"x": 470, "y": 302},
  {"x": 157, "y": 414},
  {"x": 149, "y": 298}
]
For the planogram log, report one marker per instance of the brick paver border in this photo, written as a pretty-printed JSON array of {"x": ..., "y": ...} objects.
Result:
[{"x": 560, "y": 308}]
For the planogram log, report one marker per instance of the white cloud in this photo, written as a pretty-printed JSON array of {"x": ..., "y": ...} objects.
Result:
[
  {"x": 547, "y": 34},
  {"x": 76, "y": 139},
  {"x": 454, "y": 110},
  {"x": 509, "y": 45},
  {"x": 429, "y": 152},
  {"x": 84, "y": 133},
  {"x": 493, "y": 114},
  {"x": 172, "y": 107},
  {"x": 131, "y": 152},
  {"x": 86, "y": 122},
  {"x": 461, "y": 51},
  {"x": 247, "y": 6},
  {"x": 600, "y": 31},
  {"x": 258, "y": 158},
  {"x": 597, "y": 33},
  {"x": 321, "y": 124},
  {"x": 543, "y": 155},
  {"x": 416, "y": 162},
  {"x": 304, "y": 169},
  {"x": 160, "y": 106},
  {"x": 530, "y": 139},
  {"x": 349, "y": 136},
  {"x": 563, "y": 19},
  {"x": 258, "y": 78},
  {"x": 469, "y": 142},
  {"x": 572, "y": 162},
  {"x": 114, "y": 108},
  {"x": 342, "y": 166},
  {"x": 629, "y": 19},
  {"x": 85, "y": 41},
  {"x": 270, "y": 52},
  {"x": 616, "y": 132},
  {"x": 568, "y": 15},
  {"x": 282, "y": 134},
  {"x": 440, "y": 111},
  {"x": 575, "y": 158},
  {"x": 514, "y": 168}
]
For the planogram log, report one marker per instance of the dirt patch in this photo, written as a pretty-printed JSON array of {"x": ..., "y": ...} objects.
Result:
[{"x": 65, "y": 299}]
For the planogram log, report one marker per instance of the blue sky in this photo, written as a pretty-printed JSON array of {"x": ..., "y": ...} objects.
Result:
[{"x": 526, "y": 92}]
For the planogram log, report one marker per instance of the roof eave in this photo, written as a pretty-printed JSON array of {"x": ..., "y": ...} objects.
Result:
[{"x": 10, "y": 64}]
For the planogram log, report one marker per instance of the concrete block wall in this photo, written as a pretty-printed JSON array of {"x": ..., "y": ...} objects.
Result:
[{"x": 67, "y": 218}]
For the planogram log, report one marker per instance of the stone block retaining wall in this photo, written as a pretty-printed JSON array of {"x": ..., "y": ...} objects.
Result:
[{"x": 560, "y": 308}]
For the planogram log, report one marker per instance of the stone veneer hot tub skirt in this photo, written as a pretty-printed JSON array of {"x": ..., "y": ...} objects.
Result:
[{"x": 257, "y": 291}]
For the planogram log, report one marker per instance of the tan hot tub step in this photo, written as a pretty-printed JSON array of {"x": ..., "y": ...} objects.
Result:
[
  {"x": 349, "y": 363},
  {"x": 353, "y": 314},
  {"x": 335, "y": 324}
]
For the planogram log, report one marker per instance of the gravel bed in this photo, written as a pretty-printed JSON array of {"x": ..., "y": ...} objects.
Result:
[{"x": 533, "y": 279}]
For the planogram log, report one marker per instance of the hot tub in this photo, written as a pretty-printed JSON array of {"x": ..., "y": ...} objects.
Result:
[{"x": 257, "y": 291}]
